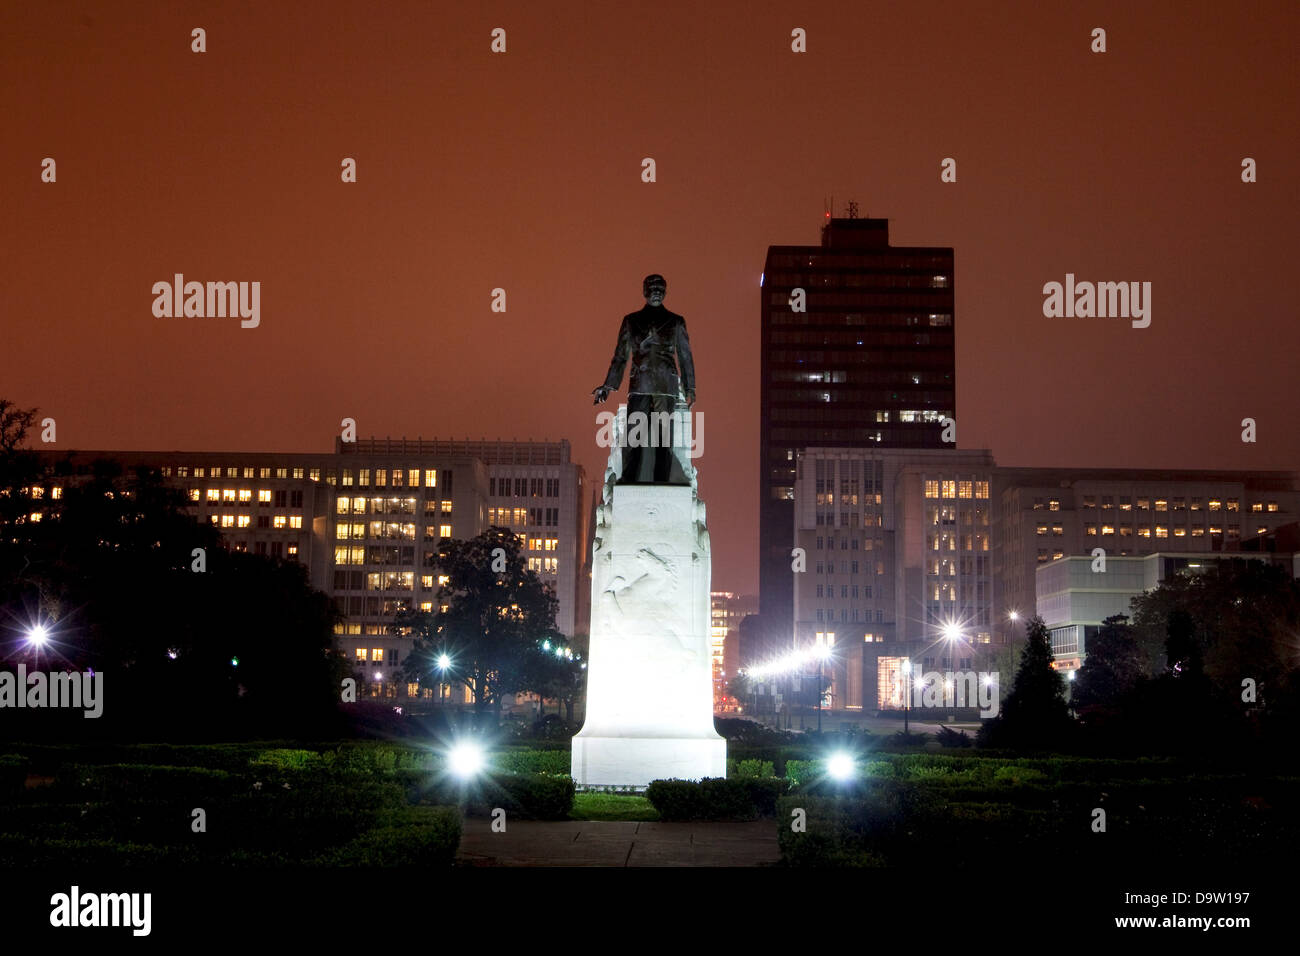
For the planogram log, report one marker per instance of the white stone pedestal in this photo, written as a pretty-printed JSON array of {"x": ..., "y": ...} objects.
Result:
[{"x": 649, "y": 674}]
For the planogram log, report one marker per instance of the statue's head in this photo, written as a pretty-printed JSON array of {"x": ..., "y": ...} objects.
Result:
[{"x": 654, "y": 288}]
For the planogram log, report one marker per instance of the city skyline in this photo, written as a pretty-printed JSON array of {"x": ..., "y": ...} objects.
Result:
[{"x": 376, "y": 295}]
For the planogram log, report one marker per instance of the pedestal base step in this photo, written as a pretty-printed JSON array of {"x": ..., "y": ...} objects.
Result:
[{"x": 635, "y": 761}]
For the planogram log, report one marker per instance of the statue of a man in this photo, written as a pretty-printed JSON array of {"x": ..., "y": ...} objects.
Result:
[{"x": 656, "y": 341}]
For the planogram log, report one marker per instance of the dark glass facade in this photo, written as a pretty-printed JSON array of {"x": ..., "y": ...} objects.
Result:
[{"x": 868, "y": 363}]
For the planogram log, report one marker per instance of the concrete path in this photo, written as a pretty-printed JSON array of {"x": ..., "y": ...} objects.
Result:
[{"x": 604, "y": 843}]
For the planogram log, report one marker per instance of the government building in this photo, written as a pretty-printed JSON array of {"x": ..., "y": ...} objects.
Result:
[{"x": 366, "y": 520}]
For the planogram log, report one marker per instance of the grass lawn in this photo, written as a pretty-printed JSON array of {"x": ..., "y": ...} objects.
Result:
[{"x": 608, "y": 806}]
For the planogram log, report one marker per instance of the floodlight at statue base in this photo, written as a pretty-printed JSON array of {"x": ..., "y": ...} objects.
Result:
[{"x": 634, "y": 762}]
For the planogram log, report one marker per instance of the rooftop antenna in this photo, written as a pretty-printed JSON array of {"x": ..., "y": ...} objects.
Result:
[{"x": 853, "y": 209}]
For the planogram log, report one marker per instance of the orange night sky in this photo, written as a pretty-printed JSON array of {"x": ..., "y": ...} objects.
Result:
[{"x": 522, "y": 171}]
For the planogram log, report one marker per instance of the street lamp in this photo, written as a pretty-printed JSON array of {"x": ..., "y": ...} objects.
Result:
[
  {"x": 907, "y": 691},
  {"x": 823, "y": 652},
  {"x": 952, "y": 634},
  {"x": 443, "y": 664}
]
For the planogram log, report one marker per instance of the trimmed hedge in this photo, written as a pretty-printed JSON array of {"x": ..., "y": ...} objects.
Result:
[
  {"x": 531, "y": 796},
  {"x": 418, "y": 836},
  {"x": 13, "y": 773},
  {"x": 913, "y": 823},
  {"x": 142, "y": 781},
  {"x": 716, "y": 798},
  {"x": 555, "y": 762},
  {"x": 750, "y": 768}
]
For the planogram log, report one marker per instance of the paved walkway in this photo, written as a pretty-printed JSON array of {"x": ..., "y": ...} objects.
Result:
[{"x": 603, "y": 843}]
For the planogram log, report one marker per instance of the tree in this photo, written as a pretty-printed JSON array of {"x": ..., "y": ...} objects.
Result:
[
  {"x": 109, "y": 569},
  {"x": 497, "y": 614},
  {"x": 1233, "y": 620},
  {"x": 563, "y": 677},
  {"x": 1034, "y": 715},
  {"x": 19, "y": 466},
  {"x": 1112, "y": 668}
]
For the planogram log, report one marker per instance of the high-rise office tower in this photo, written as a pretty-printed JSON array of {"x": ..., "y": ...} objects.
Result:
[{"x": 857, "y": 352}]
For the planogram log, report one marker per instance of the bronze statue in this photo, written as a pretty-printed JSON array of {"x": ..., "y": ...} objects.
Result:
[{"x": 656, "y": 341}]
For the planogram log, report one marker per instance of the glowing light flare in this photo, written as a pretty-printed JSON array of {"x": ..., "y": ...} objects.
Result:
[
  {"x": 465, "y": 760},
  {"x": 840, "y": 766}
]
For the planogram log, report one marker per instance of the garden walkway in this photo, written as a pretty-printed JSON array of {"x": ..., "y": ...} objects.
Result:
[{"x": 618, "y": 843}]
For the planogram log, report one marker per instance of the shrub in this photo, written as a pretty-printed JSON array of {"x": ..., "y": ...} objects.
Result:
[
  {"x": 556, "y": 762},
  {"x": 155, "y": 784},
  {"x": 20, "y": 851},
  {"x": 355, "y": 758},
  {"x": 764, "y": 792},
  {"x": 531, "y": 796},
  {"x": 716, "y": 798},
  {"x": 713, "y": 798},
  {"x": 421, "y": 836},
  {"x": 287, "y": 760},
  {"x": 803, "y": 771},
  {"x": 1016, "y": 775},
  {"x": 947, "y": 737},
  {"x": 13, "y": 773},
  {"x": 750, "y": 769},
  {"x": 833, "y": 834}
]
